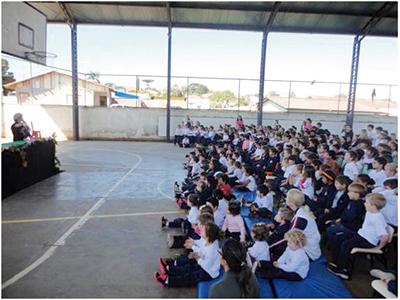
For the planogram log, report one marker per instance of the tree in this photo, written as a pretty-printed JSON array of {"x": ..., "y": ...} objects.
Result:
[
  {"x": 196, "y": 89},
  {"x": 93, "y": 76},
  {"x": 221, "y": 99},
  {"x": 6, "y": 76},
  {"x": 176, "y": 91},
  {"x": 292, "y": 94},
  {"x": 273, "y": 94}
]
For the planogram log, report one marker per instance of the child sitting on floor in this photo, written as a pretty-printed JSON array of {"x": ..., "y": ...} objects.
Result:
[
  {"x": 280, "y": 227},
  {"x": 198, "y": 266},
  {"x": 187, "y": 223},
  {"x": 263, "y": 205},
  {"x": 260, "y": 250},
  {"x": 233, "y": 224},
  {"x": 293, "y": 264}
]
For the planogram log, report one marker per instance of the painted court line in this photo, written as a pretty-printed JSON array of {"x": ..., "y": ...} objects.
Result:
[
  {"x": 161, "y": 192},
  {"x": 77, "y": 225},
  {"x": 19, "y": 221}
]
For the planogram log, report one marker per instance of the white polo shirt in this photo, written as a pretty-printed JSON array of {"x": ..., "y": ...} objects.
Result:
[{"x": 373, "y": 228}]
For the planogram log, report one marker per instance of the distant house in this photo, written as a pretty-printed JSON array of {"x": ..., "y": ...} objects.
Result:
[{"x": 56, "y": 88}]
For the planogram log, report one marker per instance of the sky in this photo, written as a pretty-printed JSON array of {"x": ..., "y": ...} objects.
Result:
[{"x": 214, "y": 53}]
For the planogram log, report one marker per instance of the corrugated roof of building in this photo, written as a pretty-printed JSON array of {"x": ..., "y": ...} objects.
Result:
[{"x": 297, "y": 17}]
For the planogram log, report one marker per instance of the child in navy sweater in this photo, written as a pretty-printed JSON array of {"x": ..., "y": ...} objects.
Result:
[
  {"x": 373, "y": 233},
  {"x": 352, "y": 217},
  {"x": 279, "y": 228}
]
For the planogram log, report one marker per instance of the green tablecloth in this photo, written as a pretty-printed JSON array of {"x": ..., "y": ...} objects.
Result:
[{"x": 13, "y": 144}]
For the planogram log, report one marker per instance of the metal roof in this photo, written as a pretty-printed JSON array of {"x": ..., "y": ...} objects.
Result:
[{"x": 295, "y": 17}]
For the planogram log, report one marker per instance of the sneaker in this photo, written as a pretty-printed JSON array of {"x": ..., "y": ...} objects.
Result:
[
  {"x": 382, "y": 275},
  {"x": 163, "y": 222},
  {"x": 170, "y": 241},
  {"x": 162, "y": 265},
  {"x": 160, "y": 279},
  {"x": 332, "y": 264},
  {"x": 341, "y": 273}
]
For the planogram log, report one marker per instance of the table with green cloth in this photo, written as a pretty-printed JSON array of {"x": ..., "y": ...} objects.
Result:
[{"x": 24, "y": 164}]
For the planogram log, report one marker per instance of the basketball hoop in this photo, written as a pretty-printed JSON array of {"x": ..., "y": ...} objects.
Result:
[{"x": 39, "y": 55}]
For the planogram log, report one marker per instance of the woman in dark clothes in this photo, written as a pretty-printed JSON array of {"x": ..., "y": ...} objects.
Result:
[{"x": 238, "y": 280}]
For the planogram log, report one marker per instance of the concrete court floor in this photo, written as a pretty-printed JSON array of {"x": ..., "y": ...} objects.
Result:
[{"x": 113, "y": 254}]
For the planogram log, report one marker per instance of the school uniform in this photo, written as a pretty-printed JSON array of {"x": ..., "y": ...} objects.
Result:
[
  {"x": 259, "y": 251},
  {"x": 288, "y": 170},
  {"x": 234, "y": 227},
  {"x": 178, "y": 136},
  {"x": 192, "y": 219},
  {"x": 187, "y": 272},
  {"x": 264, "y": 205},
  {"x": 307, "y": 187},
  {"x": 353, "y": 215},
  {"x": 219, "y": 218},
  {"x": 293, "y": 265},
  {"x": 389, "y": 211},
  {"x": 336, "y": 203},
  {"x": 351, "y": 170},
  {"x": 196, "y": 169},
  {"x": 378, "y": 176},
  {"x": 303, "y": 221},
  {"x": 373, "y": 228}
]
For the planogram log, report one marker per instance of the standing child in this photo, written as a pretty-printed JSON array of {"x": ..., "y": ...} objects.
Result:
[
  {"x": 293, "y": 265},
  {"x": 197, "y": 266},
  {"x": 233, "y": 224}
]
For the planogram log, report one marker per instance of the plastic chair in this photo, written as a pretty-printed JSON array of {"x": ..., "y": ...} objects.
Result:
[
  {"x": 377, "y": 251},
  {"x": 381, "y": 287}
]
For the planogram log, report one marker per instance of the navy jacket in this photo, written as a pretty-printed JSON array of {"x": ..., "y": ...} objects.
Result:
[
  {"x": 340, "y": 207},
  {"x": 353, "y": 215}
]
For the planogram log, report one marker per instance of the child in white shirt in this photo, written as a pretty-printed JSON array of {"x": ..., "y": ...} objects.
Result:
[
  {"x": 372, "y": 233},
  {"x": 391, "y": 197},
  {"x": 378, "y": 173},
  {"x": 260, "y": 250},
  {"x": 350, "y": 169},
  {"x": 263, "y": 205},
  {"x": 293, "y": 265}
]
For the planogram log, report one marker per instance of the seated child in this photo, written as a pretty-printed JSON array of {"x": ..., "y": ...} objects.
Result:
[
  {"x": 352, "y": 217},
  {"x": 263, "y": 204},
  {"x": 280, "y": 227},
  {"x": 293, "y": 264},
  {"x": 233, "y": 225},
  {"x": 187, "y": 223},
  {"x": 178, "y": 241},
  {"x": 219, "y": 216},
  {"x": 372, "y": 233},
  {"x": 390, "y": 209},
  {"x": 336, "y": 203},
  {"x": 260, "y": 250},
  {"x": 198, "y": 266}
]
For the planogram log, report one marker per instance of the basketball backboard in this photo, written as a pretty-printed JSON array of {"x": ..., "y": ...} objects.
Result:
[{"x": 23, "y": 32}]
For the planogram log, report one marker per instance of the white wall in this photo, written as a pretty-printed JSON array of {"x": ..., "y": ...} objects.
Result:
[{"x": 142, "y": 123}]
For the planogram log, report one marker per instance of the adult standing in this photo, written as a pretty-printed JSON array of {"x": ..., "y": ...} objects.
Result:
[
  {"x": 20, "y": 129},
  {"x": 239, "y": 122},
  {"x": 238, "y": 280}
]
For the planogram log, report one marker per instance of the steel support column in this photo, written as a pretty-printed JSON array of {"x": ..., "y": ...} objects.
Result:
[
  {"x": 75, "y": 107},
  {"x": 353, "y": 81},
  {"x": 268, "y": 27},
  {"x": 370, "y": 25},
  {"x": 169, "y": 85},
  {"x": 262, "y": 79}
]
